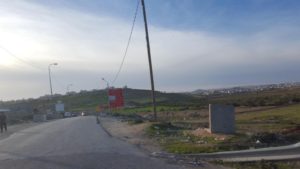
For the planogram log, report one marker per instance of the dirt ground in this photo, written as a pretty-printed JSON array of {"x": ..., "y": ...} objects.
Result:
[{"x": 133, "y": 134}]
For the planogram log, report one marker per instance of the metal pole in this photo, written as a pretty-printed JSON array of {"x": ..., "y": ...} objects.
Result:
[
  {"x": 68, "y": 87},
  {"x": 107, "y": 83},
  {"x": 150, "y": 62},
  {"x": 49, "y": 70}
]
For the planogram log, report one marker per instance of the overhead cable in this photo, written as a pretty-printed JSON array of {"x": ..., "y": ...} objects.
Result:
[
  {"x": 128, "y": 42},
  {"x": 19, "y": 59}
]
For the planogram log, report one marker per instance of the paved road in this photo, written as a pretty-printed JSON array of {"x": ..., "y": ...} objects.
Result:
[{"x": 73, "y": 143}]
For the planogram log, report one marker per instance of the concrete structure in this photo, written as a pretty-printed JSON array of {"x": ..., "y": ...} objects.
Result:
[
  {"x": 59, "y": 107},
  {"x": 4, "y": 110},
  {"x": 221, "y": 119},
  {"x": 39, "y": 117}
]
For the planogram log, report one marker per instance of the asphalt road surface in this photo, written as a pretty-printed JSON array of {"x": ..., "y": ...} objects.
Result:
[{"x": 73, "y": 143}]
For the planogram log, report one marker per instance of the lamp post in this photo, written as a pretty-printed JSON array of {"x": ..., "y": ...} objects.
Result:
[
  {"x": 107, "y": 83},
  {"x": 68, "y": 88},
  {"x": 49, "y": 71}
]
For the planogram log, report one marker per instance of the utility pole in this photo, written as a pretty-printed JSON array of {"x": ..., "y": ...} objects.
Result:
[
  {"x": 149, "y": 59},
  {"x": 49, "y": 71}
]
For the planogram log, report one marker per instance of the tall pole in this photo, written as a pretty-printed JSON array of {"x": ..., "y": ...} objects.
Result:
[
  {"x": 150, "y": 62},
  {"x": 50, "y": 81},
  {"x": 68, "y": 88},
  {"x": 107, "y": 83}
]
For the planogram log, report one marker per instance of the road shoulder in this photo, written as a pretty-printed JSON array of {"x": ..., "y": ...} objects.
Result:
[
  {"x": 134, "y": 134},
  {"x": 11, "y": 129}
]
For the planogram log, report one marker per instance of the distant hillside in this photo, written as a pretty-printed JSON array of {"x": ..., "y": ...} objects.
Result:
[
  {"x": 88, "y": 100},
  {"x": 140, "y": 100}
]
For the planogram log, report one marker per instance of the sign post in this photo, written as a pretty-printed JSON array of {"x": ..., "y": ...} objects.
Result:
[{"x": 116, "y": 99}]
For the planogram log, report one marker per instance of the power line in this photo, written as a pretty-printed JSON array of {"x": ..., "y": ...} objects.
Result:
[
  {"x": 128, "y": 42},
  {"x": 29, "y": 64},
  {"x": 19, "y": 59}
]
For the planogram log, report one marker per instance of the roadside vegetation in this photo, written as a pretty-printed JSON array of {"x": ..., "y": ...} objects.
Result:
[
  {"x": 267, "y": 118},
  {"x": 273, "y": 127}
]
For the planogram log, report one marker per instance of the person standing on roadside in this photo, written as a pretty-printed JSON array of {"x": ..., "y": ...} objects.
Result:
[{"x": 3, "y": 125}]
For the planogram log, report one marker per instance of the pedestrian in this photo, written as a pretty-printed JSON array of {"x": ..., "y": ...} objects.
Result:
[{"x": 3, "y": 125}]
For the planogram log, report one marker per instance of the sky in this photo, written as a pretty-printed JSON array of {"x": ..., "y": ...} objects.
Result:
[{"x": 195, "y": 44}]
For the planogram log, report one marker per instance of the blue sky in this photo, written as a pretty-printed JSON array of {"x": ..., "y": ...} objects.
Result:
[
  {"x": 195, "y": 44},
  {"x": 212, "y": 15}
]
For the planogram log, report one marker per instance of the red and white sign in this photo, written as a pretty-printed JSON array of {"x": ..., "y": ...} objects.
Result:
[{"x": 116, "y": 99}]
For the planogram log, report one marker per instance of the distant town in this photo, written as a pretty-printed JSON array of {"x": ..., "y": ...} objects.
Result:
[{"x": 246, "y": 89}]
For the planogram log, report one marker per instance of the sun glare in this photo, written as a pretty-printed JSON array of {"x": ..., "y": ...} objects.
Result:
[{"x": 6, "y": 60}]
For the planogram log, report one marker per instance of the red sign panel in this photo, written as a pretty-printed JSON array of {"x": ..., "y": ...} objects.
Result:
[{"x": 116, "y": 99}]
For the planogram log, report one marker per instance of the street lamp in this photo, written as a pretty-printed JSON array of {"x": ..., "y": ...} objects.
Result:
[
  {"x": 107, "y": 83},
  {"x": 68, "y": 88},
  {"x": 49, "y": 71}
]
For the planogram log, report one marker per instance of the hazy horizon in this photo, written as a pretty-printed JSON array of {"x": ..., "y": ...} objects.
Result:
[{"x": 183, "y": 91}]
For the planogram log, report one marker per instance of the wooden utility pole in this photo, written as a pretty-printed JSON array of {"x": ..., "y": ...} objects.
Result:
[{"x": 150, "y": 62}]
